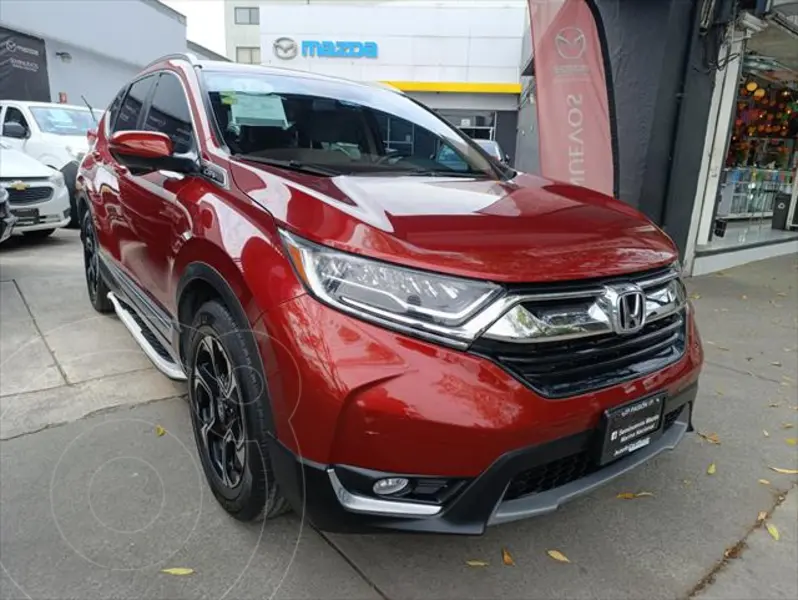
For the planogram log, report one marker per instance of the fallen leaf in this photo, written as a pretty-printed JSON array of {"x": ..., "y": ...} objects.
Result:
[
  {"x": 710, "y": 437},
  {"x": 761, "y": 516},
  {"x": 178, "y": 571},
  {"x": 476, "y": 563},
  {"x": 782, "y": 294},
  {"x": 734, "y": 551},
  {"x": 773, "y": 531},
  {"x": 743, "y": 297},
  {"x": 765, "y": 433},
  {"x": 774, "y": 404},
  {"x": 791, "y": 441},
  {"x": 695, "y": 296},
  {"x": 787, "y": 425},
  {"x": 776, "y": 363},
  {"x": 784, "y": 471},
  {"x": 724, "y": 348},
  {"x": 764, "y": 482},
  {"x": 557, "y": 555},
  {"x": 507, "y": 558},
  {"x": 785, "y": 378},
  {"x": 159, "y": 431},
  {"x": 686, "y": 481},
  {"x": 711, "y": 469},
  {"x": 633, "y": 495},
  {"x": 719, "y": 393}
]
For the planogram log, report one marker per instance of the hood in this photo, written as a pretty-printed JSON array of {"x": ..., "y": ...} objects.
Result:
[
  {"x": 17, "y": 165},
  {"x": 76, "y": 143},
  {"x": 526, "y": 230}
]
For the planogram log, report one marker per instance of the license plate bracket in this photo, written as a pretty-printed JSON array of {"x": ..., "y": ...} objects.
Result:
[
  {"x": 26, "y": 216},
  {"x": 632, "y": 426}
]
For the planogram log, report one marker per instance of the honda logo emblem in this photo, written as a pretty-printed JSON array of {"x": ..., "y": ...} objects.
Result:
[{"x": 625, "y": 305}]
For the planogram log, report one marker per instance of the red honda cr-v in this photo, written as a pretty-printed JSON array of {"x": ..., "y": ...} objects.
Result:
[{"x": 380, "y": 325}]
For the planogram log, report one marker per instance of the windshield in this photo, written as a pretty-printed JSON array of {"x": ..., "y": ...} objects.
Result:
[
  {"x": 339, "y": 126},
  {"x": 63, "y": 121}
]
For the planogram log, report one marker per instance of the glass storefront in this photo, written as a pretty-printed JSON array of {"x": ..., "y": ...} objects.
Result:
[{"x": 758, "y": 174}]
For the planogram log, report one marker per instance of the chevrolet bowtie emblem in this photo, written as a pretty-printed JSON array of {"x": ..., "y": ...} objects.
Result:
[{"x": 19, "y": 186}]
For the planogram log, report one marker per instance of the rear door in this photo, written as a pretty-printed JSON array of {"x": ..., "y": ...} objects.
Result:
[{"x": 115, "y": 193}]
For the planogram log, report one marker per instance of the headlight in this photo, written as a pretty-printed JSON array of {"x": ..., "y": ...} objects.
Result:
[
  {"x": 409, "y": 299},
  {"x": 57, "y": 179}
]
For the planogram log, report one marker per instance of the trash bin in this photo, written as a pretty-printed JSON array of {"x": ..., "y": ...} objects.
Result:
[{"x": 781, "y": 210}]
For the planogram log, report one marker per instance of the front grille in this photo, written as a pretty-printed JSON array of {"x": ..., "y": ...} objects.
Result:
[
  {"x": 567, "y": 368},
  {"x": 29, "y": 195},
  {"x": 564, "y": 470}
]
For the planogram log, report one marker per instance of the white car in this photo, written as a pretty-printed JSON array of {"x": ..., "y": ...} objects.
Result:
[
  {"x": 54, "y": 134},
  {"x": 37, "y": 194}
]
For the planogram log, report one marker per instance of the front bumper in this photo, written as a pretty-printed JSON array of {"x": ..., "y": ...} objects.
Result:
[
  {"x": 7, "y": 222},
  {"x": 315, "y": 491},
  {"x": 51, "y": 213}
]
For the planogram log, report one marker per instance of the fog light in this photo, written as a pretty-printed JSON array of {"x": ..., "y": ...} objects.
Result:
[{"x": 390, "y": 485}]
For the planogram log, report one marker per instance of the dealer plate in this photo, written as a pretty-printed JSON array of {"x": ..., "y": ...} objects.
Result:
[
  {"x": 632, "y": 426},
  {"x": 26, "y": 216}
]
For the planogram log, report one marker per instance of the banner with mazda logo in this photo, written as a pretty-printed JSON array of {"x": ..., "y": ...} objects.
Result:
[
  {"x": 574, "y": 112},
  {"x": 23, "y": 67}
]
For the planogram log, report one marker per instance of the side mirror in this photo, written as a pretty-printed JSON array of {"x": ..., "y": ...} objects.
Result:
[
  {"x": 147, "y": 151},
  {"x": 15, "y": 130}
]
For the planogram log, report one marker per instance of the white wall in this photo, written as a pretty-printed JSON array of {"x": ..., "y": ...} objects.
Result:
[
  {"x": 109, "y": 41},
  {"x": 239, "y": 35},
  {"x": 133, "y": 31},
  {"x": 462, "y": 41},
  {"x": 92, "y": 75}
]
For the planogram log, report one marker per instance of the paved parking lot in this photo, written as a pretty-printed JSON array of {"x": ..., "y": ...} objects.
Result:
[{"x": 93, "y": 504}]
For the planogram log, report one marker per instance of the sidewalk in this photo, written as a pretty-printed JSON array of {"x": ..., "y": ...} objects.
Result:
[{"x": 95, "y": 505}]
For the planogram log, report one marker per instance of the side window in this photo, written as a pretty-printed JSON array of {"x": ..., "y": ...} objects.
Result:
[
  {"x": 170, "y": 114},
  {"x": 113, "y": 110},
  {"x": 130, "y": 109}
]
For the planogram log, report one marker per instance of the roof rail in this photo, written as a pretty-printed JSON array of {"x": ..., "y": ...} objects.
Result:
[{"x": 187, "y": 56}]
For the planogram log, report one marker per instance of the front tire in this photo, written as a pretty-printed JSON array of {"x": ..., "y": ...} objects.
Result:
[
  {"x": 229, "y": 404},
  {"x": 38, "y": 234},
  {"x": 95, "y": 284}
]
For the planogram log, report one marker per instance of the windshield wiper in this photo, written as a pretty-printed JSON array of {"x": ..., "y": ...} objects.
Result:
[
  {"x": 293, "y": 165},
  {"x": 444, "y": 173}
]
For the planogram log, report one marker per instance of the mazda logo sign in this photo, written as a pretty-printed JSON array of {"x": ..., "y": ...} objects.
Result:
[
  {"x": 285, "y": 48},
  {"x": 11, "y": 46},
  {"x": 570, "y": 43}
]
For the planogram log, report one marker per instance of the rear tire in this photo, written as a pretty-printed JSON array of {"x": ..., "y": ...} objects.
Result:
[
  {"x": 38, "y": 234},
  {"x": 229, "y": 414},
  {"x": 95, "y": 284}
]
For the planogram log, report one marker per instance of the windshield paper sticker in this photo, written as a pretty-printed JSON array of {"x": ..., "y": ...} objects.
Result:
[{"x": 255, "y": 110}]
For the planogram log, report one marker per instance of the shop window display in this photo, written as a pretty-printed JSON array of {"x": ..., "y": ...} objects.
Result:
[{"x": 762, "y": 159}]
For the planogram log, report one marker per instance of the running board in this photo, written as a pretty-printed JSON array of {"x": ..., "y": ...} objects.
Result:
[{"x": 166, "y": 366}]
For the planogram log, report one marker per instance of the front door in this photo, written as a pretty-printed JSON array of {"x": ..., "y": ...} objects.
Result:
[{"x": 158, "y": 203}]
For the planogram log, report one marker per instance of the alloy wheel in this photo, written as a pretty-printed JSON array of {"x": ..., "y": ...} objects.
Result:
[
  {"x": 91, "y": 260},
  {"x": 218, "y": 412}
]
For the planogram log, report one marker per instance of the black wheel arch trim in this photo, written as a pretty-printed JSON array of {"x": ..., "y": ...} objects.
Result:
[{"x": 209, "y": 275}]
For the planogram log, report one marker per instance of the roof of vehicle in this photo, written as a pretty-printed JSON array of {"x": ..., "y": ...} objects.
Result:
[
  {"x": 47, "y": 104},
  {"x": 217, "y": 65}
]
